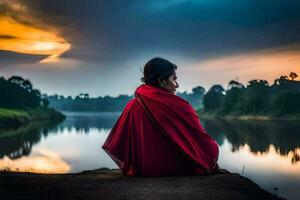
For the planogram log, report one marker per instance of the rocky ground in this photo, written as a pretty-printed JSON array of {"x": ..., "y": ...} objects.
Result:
[{"x": 111, "y": 184}]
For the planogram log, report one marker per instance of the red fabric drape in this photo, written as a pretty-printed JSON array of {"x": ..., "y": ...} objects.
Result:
[{"x": 159, "y": 134}]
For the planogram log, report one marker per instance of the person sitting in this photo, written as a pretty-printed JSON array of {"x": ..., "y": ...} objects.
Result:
[{"x": 159, "y": 133}]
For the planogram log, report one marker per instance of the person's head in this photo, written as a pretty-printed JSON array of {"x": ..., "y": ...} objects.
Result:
[{"x": 161, "y": 73}]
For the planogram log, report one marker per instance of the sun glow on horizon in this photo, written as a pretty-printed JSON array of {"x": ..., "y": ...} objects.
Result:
[
  {"x": 28, "y": 39},
  {"x": 267, "y": 65}
]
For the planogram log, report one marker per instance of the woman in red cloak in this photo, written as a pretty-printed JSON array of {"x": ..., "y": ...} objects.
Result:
[{"x": 159, "y": 133}]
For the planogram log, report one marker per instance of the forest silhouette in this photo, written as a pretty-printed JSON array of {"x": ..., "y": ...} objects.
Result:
[
  {"x": 257, "y": 97},
  {"x": 16, "y": 92},
  {"x": 83, "y": 102}
]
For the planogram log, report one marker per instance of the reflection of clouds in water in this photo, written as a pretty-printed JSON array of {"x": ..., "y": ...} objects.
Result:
[
  {"x": 269, "y": 169},
  {"x": 77, "y": 141},
  {"x": 269, "y": 162},
  {"x": 80, "y": 151},
  {"x": 42, "y": 161}
]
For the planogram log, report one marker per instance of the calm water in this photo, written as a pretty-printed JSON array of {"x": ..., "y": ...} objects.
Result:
[{"x": 268, "y": 152}]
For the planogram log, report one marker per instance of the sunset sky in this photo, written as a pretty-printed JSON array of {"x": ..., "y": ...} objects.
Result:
[{"x": 100, "y": 47}]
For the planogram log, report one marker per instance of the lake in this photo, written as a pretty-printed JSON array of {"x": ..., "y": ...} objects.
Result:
[{"x": 267, "y": 152}]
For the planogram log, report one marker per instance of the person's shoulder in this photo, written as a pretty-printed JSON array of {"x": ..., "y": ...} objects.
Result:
[
  {"x": 179, "y": 98},
  {"x": 132, "y": 101},
  {"x": 132, "y": 104}
]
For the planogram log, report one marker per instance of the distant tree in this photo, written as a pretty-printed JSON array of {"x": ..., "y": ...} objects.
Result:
[
  {"x": 257, "y": 83},
  {"x": 235, "y": 84},
  {"x": 233, "y": 98},
  {"x": 36, "y": 92},
  {"x": 287, "y": 102},
  {"x": 86, "y": 96},
  {"x": 45, "y": 103},
  {"x": 214, "y": 98},
  {"x": 78, "y": 97},
  {"x": 69, "y": 98},
  {"x": 16, "y": 92},
  {"x": 199, "y": 90},
  {"x": 61, "y": 97},
  {"x": 284, "y": 77},
  {"x": 196, "y": 98},
  {"x": 16, "y": 80},
  {"x": 257, "y": 96},
  {"x": 293, "y": 75},
  {"x": 27, "y": 85}
]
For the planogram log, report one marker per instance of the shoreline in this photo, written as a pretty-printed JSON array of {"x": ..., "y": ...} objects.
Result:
[
  {"x": 260, "y": 117},
  {"x": 15, "y": 118},
  {"x": 107, "y": 183}
]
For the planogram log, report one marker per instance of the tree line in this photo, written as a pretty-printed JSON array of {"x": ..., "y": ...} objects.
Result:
[
  {"x": 257, "y": 97},
  {"x": 83, "y": 101},
  {"x": 17, "y": 92}
]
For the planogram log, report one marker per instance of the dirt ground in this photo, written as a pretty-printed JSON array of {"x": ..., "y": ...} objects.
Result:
[{"x": 110, "y": 184}]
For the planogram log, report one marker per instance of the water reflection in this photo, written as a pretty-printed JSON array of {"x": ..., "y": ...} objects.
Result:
[
  {"x": 265, "y": 151},
  {"x": 15, "y": 143},
  {"x": 58, "y": 147},
  {"x": 45, "y": 161},
  {"x": 83, "y": 122},
  {"x": 259, "y": 136},
  {"x": 284, "y": 136}
]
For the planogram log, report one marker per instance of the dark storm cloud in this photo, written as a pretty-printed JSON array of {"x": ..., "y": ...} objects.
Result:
[
  {"x": 7, "y": 58},
  {"x": 122, "y": 29},
  {"x": 244, "y": 12}
]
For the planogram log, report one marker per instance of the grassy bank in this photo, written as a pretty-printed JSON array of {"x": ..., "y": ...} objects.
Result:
[
  {"x": 17, "y": 117},
  {"x": 257, "y": 116}
]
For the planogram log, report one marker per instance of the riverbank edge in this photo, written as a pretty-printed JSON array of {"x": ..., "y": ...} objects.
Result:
[
  {"x": 212, "y": 115},
  {"x": 103, "y": 182},
  {"x": 14, "y": 118}
]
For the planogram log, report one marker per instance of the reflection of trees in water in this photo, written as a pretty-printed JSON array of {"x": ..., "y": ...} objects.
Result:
[
  {"x": 16, "y": 143},
  {"x": 259, "y": 135},
  {"x": 215, "y": 129},
  {"x": 83, "y": 123},
  {"x": 295, "y": 158}
]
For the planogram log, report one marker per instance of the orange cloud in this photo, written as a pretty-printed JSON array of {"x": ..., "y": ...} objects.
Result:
[{"x": 28, "y": 39}]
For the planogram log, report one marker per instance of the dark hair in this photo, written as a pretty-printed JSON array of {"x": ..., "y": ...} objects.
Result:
[{"x": 157, "y": 68}]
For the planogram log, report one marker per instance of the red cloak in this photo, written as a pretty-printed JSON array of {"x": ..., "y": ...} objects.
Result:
[{"x": 159, "y": 134}]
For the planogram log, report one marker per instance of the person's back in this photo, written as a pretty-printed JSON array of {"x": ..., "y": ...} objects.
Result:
[{"x": 159, "y": 133}]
